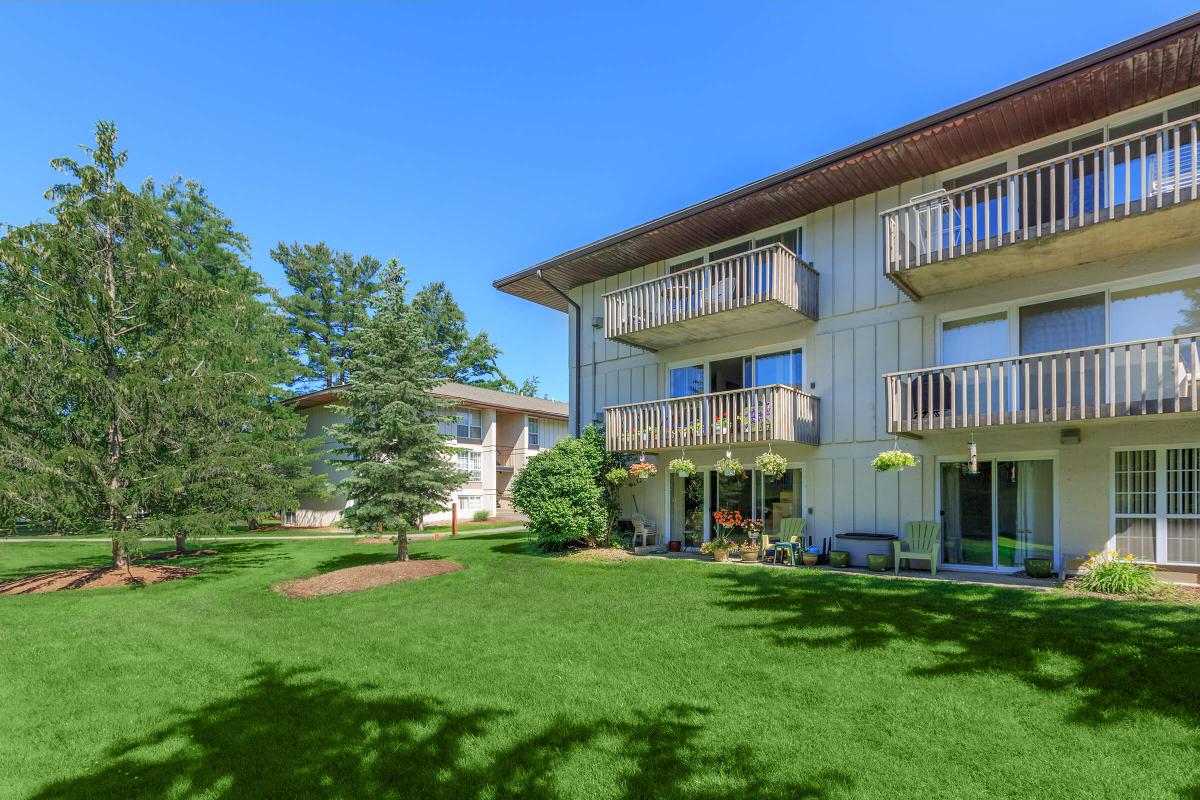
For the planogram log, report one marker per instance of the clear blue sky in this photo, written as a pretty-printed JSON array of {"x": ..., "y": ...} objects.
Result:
[{"x": 470, "y": 141}]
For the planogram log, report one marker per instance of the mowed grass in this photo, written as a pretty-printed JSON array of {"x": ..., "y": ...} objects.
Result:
[{"x": 536, "y": 677}]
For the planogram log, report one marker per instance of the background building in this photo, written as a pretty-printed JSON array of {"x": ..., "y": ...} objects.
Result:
[{"x": 495, "y": 433}]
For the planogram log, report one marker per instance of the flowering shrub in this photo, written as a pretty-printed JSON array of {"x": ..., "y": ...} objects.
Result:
[
  {"x": 773, "y": 465},
  {"x": 683, "y": 466},
  {"x": 729, "y": 466},
  {"x": 642, "y": 470},
  {"x": 1112, "y": 573},
  {"x": 893, "y": 459}
]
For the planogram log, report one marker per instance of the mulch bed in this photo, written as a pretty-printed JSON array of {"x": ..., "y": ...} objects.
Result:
[
  {"x": 368, "y": 576},
  {"x": 98, "y": 578},
  {"x": 1171, "y": 593}
]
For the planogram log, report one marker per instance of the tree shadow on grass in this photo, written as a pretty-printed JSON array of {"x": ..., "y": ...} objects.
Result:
[
  {"x": 292, "y": 733},
  {"x": 1126, "y": 658},
  {"x": 233, "y": 557}
]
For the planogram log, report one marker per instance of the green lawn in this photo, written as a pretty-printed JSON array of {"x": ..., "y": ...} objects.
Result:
[{"x": 534, "y": 677}]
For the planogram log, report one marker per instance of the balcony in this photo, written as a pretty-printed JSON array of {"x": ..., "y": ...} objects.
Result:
[
  {"x": 762, "y": 288},
  {"x": 1150, "y": 378},
  {"x": 509, "y": 459},
  {"x": 1135, "y": 191},
  {"x": 763, "y": 414}
]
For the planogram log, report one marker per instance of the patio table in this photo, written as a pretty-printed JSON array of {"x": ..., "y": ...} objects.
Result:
[{"x": 791, "y": 548}]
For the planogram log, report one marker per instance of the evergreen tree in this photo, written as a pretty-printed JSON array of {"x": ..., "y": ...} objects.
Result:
[
  {"x": 530, "y": 386},
  {"x": 331, "y": 300},
  {"x": 137, "y": 362},
  {"x": 399, "y": 461},
  {"x": 463, "y": 358}
]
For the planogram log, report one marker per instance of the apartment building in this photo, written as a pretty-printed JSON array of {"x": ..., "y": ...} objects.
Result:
[
  {"x": 1008, "y": 289},
  {"x": 493, "y": 433}
]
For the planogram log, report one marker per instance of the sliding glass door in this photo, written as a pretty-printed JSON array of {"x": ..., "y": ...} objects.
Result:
[{"x": 1000, "y": 516}]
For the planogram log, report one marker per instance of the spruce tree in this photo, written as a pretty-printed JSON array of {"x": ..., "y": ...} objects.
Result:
[
  {"x": 330, "y": 300},
  {"x": 399, "y": 461},
  {"x": 137, "y": 363}
]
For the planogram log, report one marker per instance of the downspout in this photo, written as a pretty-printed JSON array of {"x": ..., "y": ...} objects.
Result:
[{"x": 578, "y": 351}]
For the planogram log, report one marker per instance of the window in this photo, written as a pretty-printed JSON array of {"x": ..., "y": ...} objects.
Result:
[
  {"x": 731, "y": 250},
  {"x": 1135, "y": 500},
  {"x": 1062, "y": 324},
  {"x": 1156, "y": 503},
  {"x": 786, "y": 367},
  {"x": 534, "y": 432},
  {"x": 289, "y": 518},
  {"x": 793, "y": 240},
  {"x": 470, "y": 424},
  {"x": 687, "y": 381},
  {"x": 469, "y": 463},
  {"x": 682, "y": 265},
  {"x": 978, "y": 175},
  {"x": 470, "y": 502},
  {"x": 975, "y": 338},
  {"x": 1153, "y": 312}
]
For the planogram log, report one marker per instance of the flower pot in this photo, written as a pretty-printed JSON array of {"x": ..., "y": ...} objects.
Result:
[
  {"x": 810, "y": 559},
  {"x": 749, "y": 555},
  {"x": 674, "y": 546},
  {"x": 728, "y": 473},
  {"x": 839, "y": 558},
  {"x": 683, "y": 473},
  {"x": 721, "y": 554},
  {"x": 877, "y": 562},
  {"x": 1039, "y": 567}
]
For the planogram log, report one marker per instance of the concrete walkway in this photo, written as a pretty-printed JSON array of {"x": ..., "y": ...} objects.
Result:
[
  {"x": 944, "y": 575},
  {"x": 412, "y": 537}
]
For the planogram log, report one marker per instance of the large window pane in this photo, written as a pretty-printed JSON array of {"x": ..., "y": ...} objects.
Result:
[
  {"x": 1183, "y": 504},
  {"x": 1062, "y": 324},
  {"x": 782, "y": 368},
  {"x": 727, "y": 374},
  {"x": 1154, "y": 312},
  {"x": 975, "y": 339},
  {"x": 780, "y": 499},
  {"x": 1135, "y": 494},
  {"x": 1024, "y": 511},
  {"x": 687, "y": 381}
]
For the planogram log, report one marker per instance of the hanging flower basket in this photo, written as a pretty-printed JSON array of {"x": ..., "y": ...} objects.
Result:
[
  {"x": 772, "y": 465},
  {"x": 893, "y": 459},
  {"x": 683, "y": 467},
  {"x": 642, "y": 470},
  {"x": 616, "y": 476},
  {"x": 729, "y": 466}
]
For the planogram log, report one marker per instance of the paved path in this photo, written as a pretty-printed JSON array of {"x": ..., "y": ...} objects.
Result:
[{"x": 412, "y": 537}]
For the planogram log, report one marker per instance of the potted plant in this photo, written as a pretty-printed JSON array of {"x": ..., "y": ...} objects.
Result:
[
  {"x": 642, "y": 470},
  {"x": 617, "y": 476},
  {"x": 1039, "y": 567},
  {"x": 811, "y": 556},
  {"x": 772, "y": 464},
  {"x": 729, "y": 466},
  {"x": 895, "y": 459},
  {"x": 683, "y": 467},
  {"x": 839, "y": 558},
  {"x": 674, "y": 546},
  {"x": 749, "y": 549},
  {"x": 717, "y": 547},
  {"x": 877, "y": 562}
]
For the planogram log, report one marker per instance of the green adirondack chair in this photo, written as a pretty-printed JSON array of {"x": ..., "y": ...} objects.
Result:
[
  {"x": 791, "y": 529},
  {"x": 923, "y": 540}
]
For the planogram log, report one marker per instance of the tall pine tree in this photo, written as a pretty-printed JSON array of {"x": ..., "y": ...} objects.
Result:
[
  {"x": 330, "y": 300},
  {"x": 464, "y": 358},
  {"x": 399, "y": 462},
  {"x": 138, "y": 363}
]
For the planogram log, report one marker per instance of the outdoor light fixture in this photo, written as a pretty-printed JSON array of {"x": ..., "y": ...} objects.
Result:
[{"x": 972, "y": 457}]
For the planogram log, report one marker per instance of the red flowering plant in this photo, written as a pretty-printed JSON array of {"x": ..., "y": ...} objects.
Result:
[
  {"x": 642, "y": 470},
  {"x": 727, "y": 521}
]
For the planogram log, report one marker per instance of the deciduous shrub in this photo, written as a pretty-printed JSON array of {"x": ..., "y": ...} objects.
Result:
[
  {"x": 1112, "y": 573},
  {"x": 557, "y": 490},
  {"x": 480, "y": 516}
]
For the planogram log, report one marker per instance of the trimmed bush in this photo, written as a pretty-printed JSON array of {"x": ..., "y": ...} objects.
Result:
[
  {"x": 557, "y": 490},
  {"x": 480, "y": 516}
]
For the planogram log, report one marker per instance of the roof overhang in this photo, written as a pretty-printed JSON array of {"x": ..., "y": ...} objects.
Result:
[{"x": 1155, "y": 64}]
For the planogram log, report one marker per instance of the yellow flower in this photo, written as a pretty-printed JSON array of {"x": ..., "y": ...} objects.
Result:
[
  {"x": 1113, "y": 554},
  {"x": 1091, "y": 553}
]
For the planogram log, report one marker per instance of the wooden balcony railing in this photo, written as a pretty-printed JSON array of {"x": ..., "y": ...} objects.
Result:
[
  {"x": 1150, "y": 377},
  {"x": 765, "y": 413},
  {"x": 509, "y": 458},
  {"x": 1131, "y": 175},
  {"x": 767, "y": 274}
]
